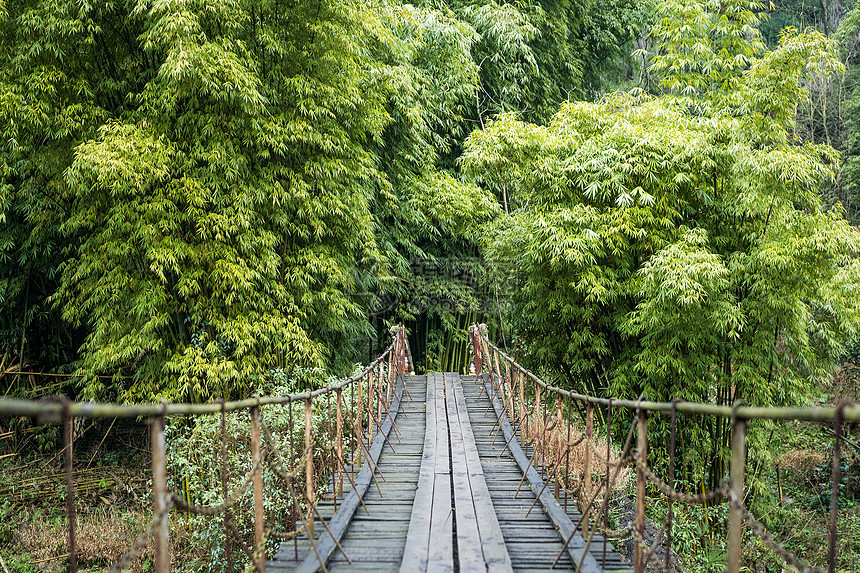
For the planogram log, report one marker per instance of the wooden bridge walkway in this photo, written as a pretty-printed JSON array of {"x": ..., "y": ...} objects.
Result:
[{"x": 447, "y": 496}]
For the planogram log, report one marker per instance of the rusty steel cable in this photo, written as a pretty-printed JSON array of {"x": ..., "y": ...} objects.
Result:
[
  {"x": 673, "y": 494},
  {"x": 851, "y": 411},
  {"x": 624, "y": 452}
]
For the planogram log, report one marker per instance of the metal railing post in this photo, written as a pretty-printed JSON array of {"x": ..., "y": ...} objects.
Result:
[
  {"x": 339, "y": 417},
  {"x": 260, "y": 550},
  {"x": 589, "y": 437},
  {"x": 639, "y": 523},
  {"x": 736, "y": 496},
  {"x": 228, "y": 542},
  {"x": 309, "y": 466},
  {"x": 359, "y": 431},
  {"x": 834, "y": 486},
  {"x": 558, "y": 442},
  {"x": 159, "y": 494},
  {"x": 479, "y": 358},
  {"x": 70, "y": 485}
]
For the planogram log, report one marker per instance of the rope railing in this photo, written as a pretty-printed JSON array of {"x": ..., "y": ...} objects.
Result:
[
  {"x": 543, "y": 429},
  {"x": 339, "y": 442}
]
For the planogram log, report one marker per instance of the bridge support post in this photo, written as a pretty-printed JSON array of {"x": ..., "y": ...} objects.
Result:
[
  {"x": 523, "y": 412},
  {"x": 736, "y": 500},
  {"x": 70, "y": 486},
  {"x": 359, "y": 432},
  {"x": 159, "y": 494},
  {"x": 259, "y": 548},
  {"x": 309, "y": 466},
  {"x": 589, "y": 439},
  {"x": 639, "y": 523},
  {"x": 477, "y": 348},
  {"x": 339, "y": 442}
]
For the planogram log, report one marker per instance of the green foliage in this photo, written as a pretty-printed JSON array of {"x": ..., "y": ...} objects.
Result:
[
  {"x": 534, "y": 55},
  {"x": 676, "y": 246},
  {"x": 209, "y": 192},
  {"x": 194, "y": 459},
  {"x": 848, "y": 36}
]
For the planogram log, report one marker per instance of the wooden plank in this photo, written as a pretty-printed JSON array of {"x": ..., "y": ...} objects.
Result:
[
  {"x": 479, "y": 505},
  {"x": 416, "y": 554},
  {"x": 441, "y": 548},
  {"x": 469, "y": 548},
  {"x": 576, "y": 548},
  {"x": 441, "y": 554}
]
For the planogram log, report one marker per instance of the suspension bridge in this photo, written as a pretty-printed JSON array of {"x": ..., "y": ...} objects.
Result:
[{"x": 496, "y": 471}]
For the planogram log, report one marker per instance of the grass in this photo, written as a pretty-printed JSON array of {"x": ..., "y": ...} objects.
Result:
[{"x": 113, "y": 502}]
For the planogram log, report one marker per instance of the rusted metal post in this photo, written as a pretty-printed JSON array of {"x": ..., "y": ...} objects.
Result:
[
  {"x": 500, "y": 382},
  {"x": 736, "y": 485},
  {"x": 538, "y": 423},
  {"x": 479, "y": 362},
  {"x": 70, "y": 486},
  {"x": 358, "y": 430},
  {"x": 589, "y": 438},
  {"x": 567, "y": 451},
  {"x": 639, "y": 523},
  {"x": 485, "y": 349},
  {"x": 228, "y": 541},
  {"x": 309, "y": 465},
  {"x": 672, "y": 435},
  {"x": 294, "y": 496},
  {"x": 522, "y": 410},
  {"x": 331, "y": 424},
  {"x": 379, "y": 390},
  {"x": 834, "y": 486},
  {"x": 558, "y": 447},
  {"x": 403, "y": 351},
  {"x": 608, "y": 489},
  {"x": 159, "y": 494},
  {"x": 510, "y": 390},
  {"x": 370, "y": 403},
  {"x": 339, "y": 417},
  {"x": 256, "y": 454}
]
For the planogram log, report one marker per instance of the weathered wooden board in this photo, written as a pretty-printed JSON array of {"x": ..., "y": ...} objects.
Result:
[
  {"x": 480, "y": 543},
  {"x": 429, "y": 541}
]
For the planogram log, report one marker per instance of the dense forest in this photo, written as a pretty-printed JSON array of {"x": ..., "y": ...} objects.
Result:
[{"x": 204, "y": 199}]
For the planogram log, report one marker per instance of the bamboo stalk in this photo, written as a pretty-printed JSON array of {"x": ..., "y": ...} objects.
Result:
[{"x": 43, "y": 560}]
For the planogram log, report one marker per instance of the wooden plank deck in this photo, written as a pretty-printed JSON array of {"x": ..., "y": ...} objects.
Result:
[
  {"x": 448, "y": 500},
  {"x": 429, "y": 541},
  {"x": 480, "y": 543}
]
